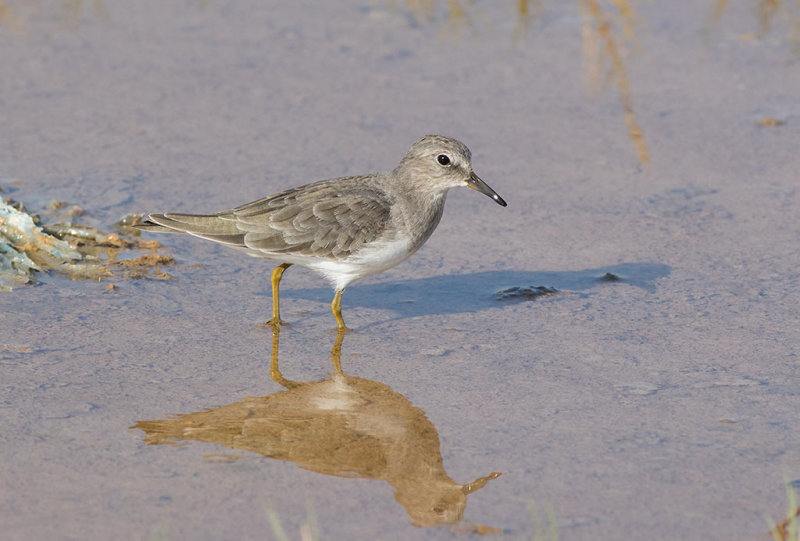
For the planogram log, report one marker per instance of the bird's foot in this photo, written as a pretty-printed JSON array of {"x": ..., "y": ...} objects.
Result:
[
  {"x": 276, "y": 322},
  {"x": 343, "y": 329}
]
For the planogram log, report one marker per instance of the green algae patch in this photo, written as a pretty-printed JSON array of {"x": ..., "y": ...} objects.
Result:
[{"x": 81, "y": 252}]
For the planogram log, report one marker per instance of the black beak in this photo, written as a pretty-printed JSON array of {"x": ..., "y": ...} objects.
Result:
[{"x": 476, "y": 183}]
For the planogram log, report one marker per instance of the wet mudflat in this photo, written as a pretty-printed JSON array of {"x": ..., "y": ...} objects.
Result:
[{"x": 620, "y": 343}]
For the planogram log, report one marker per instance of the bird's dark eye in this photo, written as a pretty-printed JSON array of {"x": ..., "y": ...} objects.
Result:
[{"x": 443, "y": 159}]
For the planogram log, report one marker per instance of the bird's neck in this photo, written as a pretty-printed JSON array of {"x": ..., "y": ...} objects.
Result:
[{"x": 422, "y": 213}]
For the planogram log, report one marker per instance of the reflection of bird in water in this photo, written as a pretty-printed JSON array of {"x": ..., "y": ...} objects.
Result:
[{"x": 343, "y": 426}]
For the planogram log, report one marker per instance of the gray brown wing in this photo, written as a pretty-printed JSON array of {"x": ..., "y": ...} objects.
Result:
[
  {"x": 332, "y": 218},
  {"x": 329, "y": 219},
  {"x": 207, "y": 226}
]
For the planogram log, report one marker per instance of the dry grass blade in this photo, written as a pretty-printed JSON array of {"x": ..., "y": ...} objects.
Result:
[
  {"x": 782, "y": 530},
  {"x": 598, "y": 39},
  {"x": 788, "y": 529},
  {"x": 524, "y": 17},
  {"x": 458, "y": 19},
  {"x": 767, "y": 9},
  {"x": 719, "y": 8},
  {"x": 628, "y": 19},
  {"x": 524, "y": 8},
  {"x": 769, "y": 12}
]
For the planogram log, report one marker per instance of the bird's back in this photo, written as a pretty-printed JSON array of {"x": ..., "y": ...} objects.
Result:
[{"x": 330, "y": 219}]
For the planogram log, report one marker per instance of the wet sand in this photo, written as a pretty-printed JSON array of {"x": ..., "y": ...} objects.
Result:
[{"x": 662, "y": 405}]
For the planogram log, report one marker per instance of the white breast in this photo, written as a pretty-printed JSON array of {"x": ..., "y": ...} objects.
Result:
[{"x": 371, "y": 259}]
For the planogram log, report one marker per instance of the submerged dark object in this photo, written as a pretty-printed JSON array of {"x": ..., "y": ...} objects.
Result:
[{"x": 521, "y": 293}]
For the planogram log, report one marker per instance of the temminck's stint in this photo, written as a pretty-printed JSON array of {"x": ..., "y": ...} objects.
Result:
[{"x": 343, "y": 228}]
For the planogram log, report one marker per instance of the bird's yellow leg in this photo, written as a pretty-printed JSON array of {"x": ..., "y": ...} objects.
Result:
[
  {"x": 277, "y": 274},
  {"x": 336, "y": 307}
]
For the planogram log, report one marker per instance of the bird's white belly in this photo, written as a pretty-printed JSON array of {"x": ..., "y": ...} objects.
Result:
[{"x": 370, "y": 259}]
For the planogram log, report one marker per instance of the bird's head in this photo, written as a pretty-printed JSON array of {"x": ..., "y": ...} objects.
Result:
[{"x": 438, "y": 163}]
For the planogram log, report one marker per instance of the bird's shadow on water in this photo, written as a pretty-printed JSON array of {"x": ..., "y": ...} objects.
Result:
[{"x": 461, "y": 293}]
